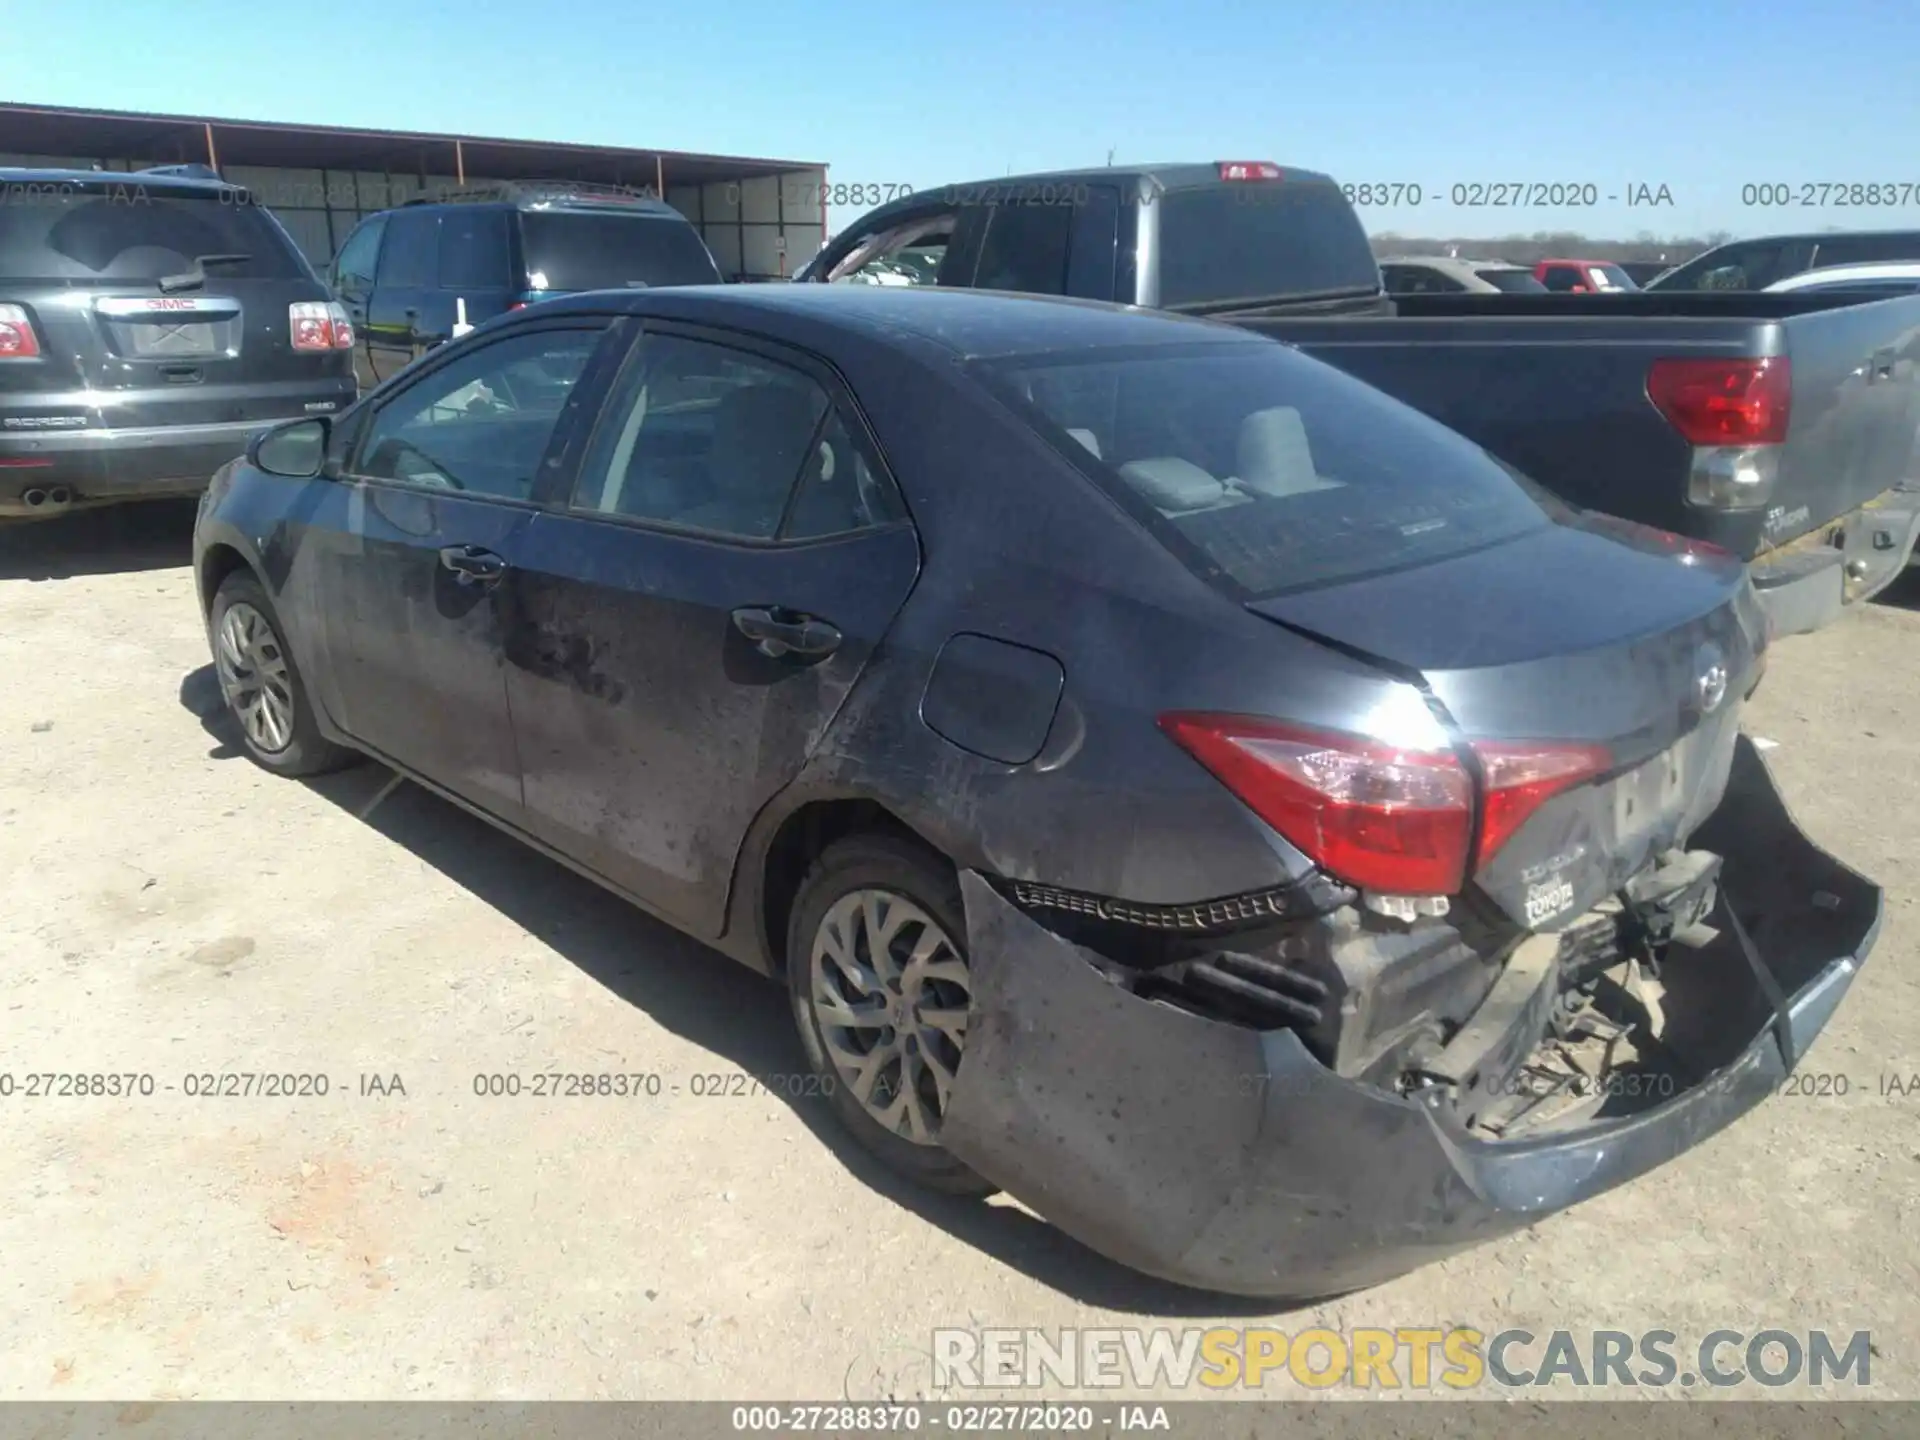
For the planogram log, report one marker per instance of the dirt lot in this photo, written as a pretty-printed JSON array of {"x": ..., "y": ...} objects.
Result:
[{"x": 171, "y": 910}]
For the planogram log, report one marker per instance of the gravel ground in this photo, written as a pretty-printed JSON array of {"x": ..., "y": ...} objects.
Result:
[{"x": 172, "y": 910}]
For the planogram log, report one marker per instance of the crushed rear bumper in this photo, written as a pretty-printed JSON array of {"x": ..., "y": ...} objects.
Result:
[{"x": 1232, "y": 1160}]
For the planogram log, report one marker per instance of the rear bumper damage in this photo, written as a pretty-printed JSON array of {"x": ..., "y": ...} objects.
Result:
[
  {"x": 1813, "y": 581},
  {"x": 1231, "y": 1159}
]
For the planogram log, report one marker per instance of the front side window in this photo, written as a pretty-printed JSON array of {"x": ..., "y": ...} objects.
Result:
[
  {"x": 704, "y": 437},
  {"x": 353, "y": 270},
  {"x": 1562, "y": 278},
  {"x": 480, "y": 423},
  {"x": 1265, "y": 469},
  {"x": 907, "y": 255}
]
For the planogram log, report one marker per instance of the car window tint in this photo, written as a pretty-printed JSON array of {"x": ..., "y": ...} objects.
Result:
[
  {"x": 702, "y": 436},
  {"x": 409, "y": 258},
  {"x": 1863, "y": 249},
  {"x": 1512, "y": 282},
  {"x": 479, "y": 423},
  {"x": 1265, "y": 468},
  {"x": 473, "y": 250},
  {"x": 353, "y": 269},
  {"x": 135, "y": 234},
  {"x": 1562, "y": 277},
  {"x": 839, "y": 489},
  {"x": 1026, "y": 248}
]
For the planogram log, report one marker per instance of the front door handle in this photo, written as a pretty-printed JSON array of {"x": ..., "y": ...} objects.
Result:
[
  {"x": 777, "y": 631},
  {"x": 473, "y": 566}
]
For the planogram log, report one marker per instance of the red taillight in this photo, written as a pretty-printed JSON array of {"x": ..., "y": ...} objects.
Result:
[
  {"x": 1380, "y": 817},
  {"x": 1521, "y": 777},
  {"x": 1726, "y": 401},
  {"x": 1376, "y": 816},
  {"x": 319, "y": 325},
  {"x": 17, "y": 340},
  {"x": 1249, "y": 170}
]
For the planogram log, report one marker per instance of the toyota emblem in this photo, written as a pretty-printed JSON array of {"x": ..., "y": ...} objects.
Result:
[{"x": 1710, "y": 679}]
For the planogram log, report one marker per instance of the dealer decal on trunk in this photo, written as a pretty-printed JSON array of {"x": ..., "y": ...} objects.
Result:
[{"x": 1547, "y": 892}]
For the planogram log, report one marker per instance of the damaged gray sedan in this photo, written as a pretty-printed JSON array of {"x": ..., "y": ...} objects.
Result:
[{"x": 1178, "y": 784}]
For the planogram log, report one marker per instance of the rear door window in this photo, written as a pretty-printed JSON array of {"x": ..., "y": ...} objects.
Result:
[
  {"x": 1025, "y": 248},
  {"x": 410, "y": 257},
  {"x": 135, "y": 232},
  {"x": 1263, "y": 469},
  {"x": 1562, "y": 277},
  {"x": 473, "y": 250},
  {"x": 591, "y": 250}
]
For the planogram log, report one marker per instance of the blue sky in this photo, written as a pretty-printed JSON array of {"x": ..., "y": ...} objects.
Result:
[{"x": 1701, "y": 96}]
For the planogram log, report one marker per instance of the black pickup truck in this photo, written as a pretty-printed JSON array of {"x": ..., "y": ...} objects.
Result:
[{"x": 1781, "y": 427}]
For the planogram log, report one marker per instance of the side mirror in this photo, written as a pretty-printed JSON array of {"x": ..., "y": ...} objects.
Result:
[{"x": 297, "y": 449}]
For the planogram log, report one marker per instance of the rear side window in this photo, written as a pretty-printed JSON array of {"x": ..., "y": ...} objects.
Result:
[
  {"x": 1417, "y": 280},
  {"x": 1562, "y": 277},
  {"x": 1266, "y": 470},
  {"x": 135, "y": 232},
  {"x": 575, "y": 250},
  {"x": 1025, "y": 248},
  {"x": 1257, "y": 240},
  {"x": 410, "y": 256},
  {"x": 473, "y": 250},
  {"x": 1864, "y": 249}
]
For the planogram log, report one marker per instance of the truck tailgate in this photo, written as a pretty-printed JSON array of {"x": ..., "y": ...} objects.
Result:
[{"x": 1556, "y": 385}]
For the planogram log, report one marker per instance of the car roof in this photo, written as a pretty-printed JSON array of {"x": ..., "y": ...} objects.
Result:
[
  {"x": 966, "y": 323},
  {"x": 1866, "y": 270},
  {"x": 1172, "y": 175},
  {"x": 1462, "y": 262},
  {"x": 1563, "y": 260},
  {"x": 172, "y": 181},
  {"x": 1817, "y": 236}
]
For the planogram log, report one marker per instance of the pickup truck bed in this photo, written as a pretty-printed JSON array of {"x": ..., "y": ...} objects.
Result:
[
  {"x": 1557, "y": 385},
  {"x": 1781, "y": 427}
]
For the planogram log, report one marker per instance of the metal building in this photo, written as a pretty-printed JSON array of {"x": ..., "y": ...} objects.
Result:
[{"x": 761, "y": 218}]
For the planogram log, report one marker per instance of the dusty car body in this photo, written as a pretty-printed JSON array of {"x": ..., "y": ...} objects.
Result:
[{"x": 1179, "y": 785}]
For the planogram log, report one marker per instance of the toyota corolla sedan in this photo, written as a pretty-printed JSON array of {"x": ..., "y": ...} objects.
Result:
[{"x": 1177, "y": 784}]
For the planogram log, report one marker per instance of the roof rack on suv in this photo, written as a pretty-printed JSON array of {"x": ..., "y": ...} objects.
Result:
[{"x": 537, "y": 192}]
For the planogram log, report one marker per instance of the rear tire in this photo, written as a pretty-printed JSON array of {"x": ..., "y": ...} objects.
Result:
[
  {"x": 260, "y": 686},
  {"x": 877, "y": 972}
]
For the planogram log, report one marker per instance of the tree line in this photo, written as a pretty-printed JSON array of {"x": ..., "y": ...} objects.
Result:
[{"x": 1550, "y": 244}]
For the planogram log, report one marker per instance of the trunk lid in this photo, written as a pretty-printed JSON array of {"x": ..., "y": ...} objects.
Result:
[{"x": 1592, "y": 632}]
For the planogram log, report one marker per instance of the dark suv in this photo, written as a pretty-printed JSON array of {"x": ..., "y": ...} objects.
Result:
[
  {"x": 410, "y": 278},
  {"x": 150, "y": 322}
]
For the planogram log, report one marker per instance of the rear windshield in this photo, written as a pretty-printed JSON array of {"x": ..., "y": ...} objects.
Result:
[
  {"x": 133, "y": 232},
  {"x": 569, "y": 250},
  {"x": 1266, "y": 469},
  {"x": 1260, "y": 239},
  {"x": 1514, "y": 282}
]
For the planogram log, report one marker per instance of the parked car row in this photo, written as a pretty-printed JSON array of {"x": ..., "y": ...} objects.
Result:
[{"x": 1281, "y": 832}]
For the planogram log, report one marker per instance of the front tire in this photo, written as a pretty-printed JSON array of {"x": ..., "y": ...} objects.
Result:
[
  {"x": 261, "y": 687},
  {"x": 877, "y": 972}
]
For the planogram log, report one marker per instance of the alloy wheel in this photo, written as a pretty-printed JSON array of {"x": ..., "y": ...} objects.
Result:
[
  {"x": 891, "y": 992},
  {"x": 254, "y": 679}
]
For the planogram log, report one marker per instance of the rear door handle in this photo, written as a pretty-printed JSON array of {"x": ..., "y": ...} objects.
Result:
[
  {"x": 473, "y": 566},
  {"x": 777, "y": 631}
]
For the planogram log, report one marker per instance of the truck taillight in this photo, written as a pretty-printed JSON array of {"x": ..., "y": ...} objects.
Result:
[
  {"x": 1380, "y": 817},
  {"x": 1726, "y": 401},
  {"x": 1249, "y": 170},
  {"x": 319, "y": 325},
  {"x": 1734, "y": 412},
  {"x": 17, "y": 340}
]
